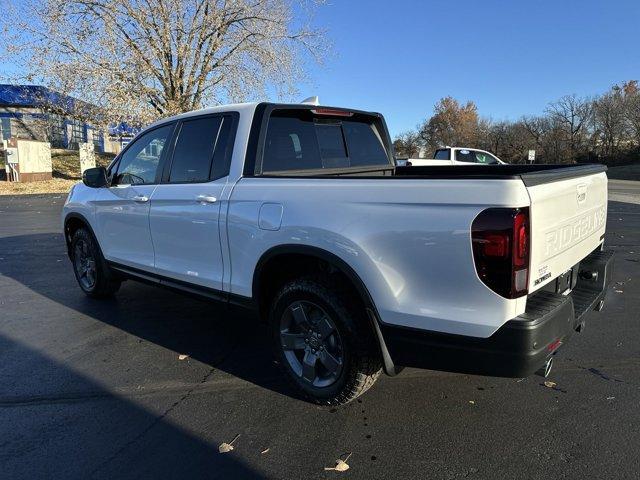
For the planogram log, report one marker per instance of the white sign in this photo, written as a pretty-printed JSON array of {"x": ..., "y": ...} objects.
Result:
[
  {"x": 87, "y": 156},
  {"x": 532, "y": 155}
]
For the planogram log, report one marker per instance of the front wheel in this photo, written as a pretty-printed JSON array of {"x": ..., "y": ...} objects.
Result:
[
  {"x": 323, "y": 341},
  {"x": 91, "y": 270}
]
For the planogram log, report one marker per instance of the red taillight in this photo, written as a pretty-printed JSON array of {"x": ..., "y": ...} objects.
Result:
[
  {"x": 333, "y": 112},
  {"x": 495, "y": 245},
  {"x": 500, "y": 240},
  {"x": 521, "y": 235}
]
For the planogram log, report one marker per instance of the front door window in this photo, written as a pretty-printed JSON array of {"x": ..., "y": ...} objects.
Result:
[{"x": 139, "y": 163}]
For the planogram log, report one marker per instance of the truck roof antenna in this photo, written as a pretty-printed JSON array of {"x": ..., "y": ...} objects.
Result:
[{"x": 311, "y": 101}]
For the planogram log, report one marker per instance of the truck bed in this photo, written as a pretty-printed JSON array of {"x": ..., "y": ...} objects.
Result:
[{"x": 530, "y": 174}]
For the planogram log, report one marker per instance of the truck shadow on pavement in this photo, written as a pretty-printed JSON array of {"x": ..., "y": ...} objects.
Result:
[
  {"x": 88, "y": 431},
  {"x": 228, "y": 339}
]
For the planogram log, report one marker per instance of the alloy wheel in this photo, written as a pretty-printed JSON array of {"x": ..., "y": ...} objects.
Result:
[
  {"x": 85, "y": 265},
  {"x": 311, "y": 343}
]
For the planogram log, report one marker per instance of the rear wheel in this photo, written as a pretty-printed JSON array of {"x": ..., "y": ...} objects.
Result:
[
  {"x": 323, "y": 341},
  {"x": 91, "y": 270}
]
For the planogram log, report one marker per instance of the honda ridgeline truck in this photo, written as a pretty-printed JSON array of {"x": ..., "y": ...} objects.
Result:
[{"x": 299, "y": 213}]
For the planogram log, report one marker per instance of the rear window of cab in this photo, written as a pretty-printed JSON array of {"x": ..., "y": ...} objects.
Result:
[{"x": 299, "y": 140}]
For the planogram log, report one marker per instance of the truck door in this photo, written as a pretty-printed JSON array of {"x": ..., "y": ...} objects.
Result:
[
  {"x": 185, "y": 207},
  {"x": 122, "y": 210}
]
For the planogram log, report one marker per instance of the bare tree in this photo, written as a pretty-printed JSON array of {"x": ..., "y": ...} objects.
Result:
[
  {"x": 631, "y": 95},
  {"x": 633, "y": 116},
  {"x": 536, "y": 127},
  {"x": 547, "y": 137},
  {"x": 408, "y": 144},
  {"x": 572, "y": 115},
  {"x": 141, "y": 59},
  {"x": 610, "y": 121}
]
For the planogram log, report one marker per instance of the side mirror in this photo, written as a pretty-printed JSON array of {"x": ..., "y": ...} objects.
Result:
[{"x": 95, "y": 177}]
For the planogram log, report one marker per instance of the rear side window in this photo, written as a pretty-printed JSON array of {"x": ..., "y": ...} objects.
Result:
[
  {"x": 297, "y": 140},
  {"x": 193, "y": 154},
  {"x": 442, "y": 154}
]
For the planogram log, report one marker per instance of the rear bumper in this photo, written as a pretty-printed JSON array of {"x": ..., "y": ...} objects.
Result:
[{"x": 522, "y": 345}]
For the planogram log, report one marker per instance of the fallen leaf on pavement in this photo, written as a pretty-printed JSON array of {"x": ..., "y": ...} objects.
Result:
[
  {"x": 227, "y": 447},
  {"x": 182, "y": 356},
  {"x": 549, "y": 384},
  {"x": 341, "y": 465}
]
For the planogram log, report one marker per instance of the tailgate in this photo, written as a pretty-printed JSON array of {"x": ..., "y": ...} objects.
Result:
[{"x": 568, "y": 219}]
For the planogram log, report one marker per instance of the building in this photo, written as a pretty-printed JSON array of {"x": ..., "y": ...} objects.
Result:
[{"x": 37, "y": 113}]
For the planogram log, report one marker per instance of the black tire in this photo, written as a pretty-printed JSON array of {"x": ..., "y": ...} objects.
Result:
[
  {"x": 85, "y": 256},
  {"x": 352, "y": 341}
]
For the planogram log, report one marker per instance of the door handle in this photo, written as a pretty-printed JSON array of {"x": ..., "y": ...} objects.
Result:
[
  {"x": 206, "y": 199},
  {"x": 140, "y": 198}
]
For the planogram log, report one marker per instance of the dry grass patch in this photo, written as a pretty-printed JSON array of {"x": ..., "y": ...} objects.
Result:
[
  {"x": 66, "y": 172},
  {"x": 57, "y": 185}
]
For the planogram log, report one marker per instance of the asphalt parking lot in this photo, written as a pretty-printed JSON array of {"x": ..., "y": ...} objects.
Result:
[{"x": 96, "y": 389}]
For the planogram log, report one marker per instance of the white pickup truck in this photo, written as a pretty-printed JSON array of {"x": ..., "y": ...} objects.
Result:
[
  {"x": 298, "y": 212},
  {"x": 455, "y": 156}
]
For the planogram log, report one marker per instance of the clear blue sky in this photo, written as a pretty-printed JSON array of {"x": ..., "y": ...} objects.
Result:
[{"x": 510, "y": 57}]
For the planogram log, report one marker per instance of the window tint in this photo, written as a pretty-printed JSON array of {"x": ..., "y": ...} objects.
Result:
[
  {"x": 332, "y": 148},
  {"x": 223, "y": 150},
  {"x": 194, "y": 150},
  {"x": 139, "y": 162},
  {"x": 297, "y": 141},
  {"x": 365, "y": 147},
  {"x": 442, "y": 154},
  {"x": 291, "y": 144}
]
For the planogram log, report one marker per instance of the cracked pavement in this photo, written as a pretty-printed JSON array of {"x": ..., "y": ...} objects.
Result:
[{"x": 95, "y": 389}]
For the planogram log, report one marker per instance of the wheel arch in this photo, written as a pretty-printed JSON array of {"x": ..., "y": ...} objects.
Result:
[
  {"x": 74, "y": 221},
  {"x": 307, "y": 253}
]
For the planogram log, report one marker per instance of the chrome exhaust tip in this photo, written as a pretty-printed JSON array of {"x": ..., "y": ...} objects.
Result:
[{"x": 545, "y": 370}]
